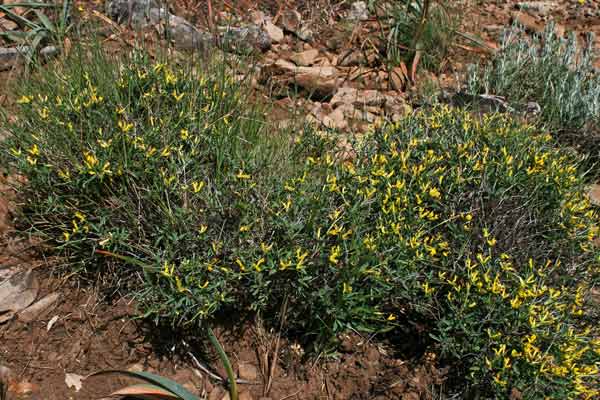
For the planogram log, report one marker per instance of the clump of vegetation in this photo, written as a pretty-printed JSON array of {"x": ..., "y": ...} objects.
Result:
[
  {"x": 423, "y": 29},
  {"x": 552, "y": 71},
  {"x": 477, "y": 229}
]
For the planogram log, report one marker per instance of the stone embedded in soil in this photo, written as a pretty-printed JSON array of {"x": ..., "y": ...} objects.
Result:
[
  {"x": 35, "y": 310},
  {"x": 539, "y": 7},
  {"x": 305, "y": 58},
  {"x": 528, "y": 22},
  {"x": 594, "y": 194},
  {"x": 245, "y": 395},
  {"x": 358, "y": 11},
  {"x": 17, "y": 293},
  {"x": 10, "y": 56},
  {"x": 273, "y": 31},
  {"x": 248, "y": 372}
]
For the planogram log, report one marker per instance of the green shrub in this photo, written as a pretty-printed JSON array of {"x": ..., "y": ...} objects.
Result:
[
  {"x": 552, "y": 71},
  {"x": 478, "y": 230}
]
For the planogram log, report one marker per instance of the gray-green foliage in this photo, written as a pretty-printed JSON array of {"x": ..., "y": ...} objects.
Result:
[{"x": 548, "y": 69}]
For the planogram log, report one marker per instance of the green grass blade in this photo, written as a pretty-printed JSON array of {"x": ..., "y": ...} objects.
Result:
[
  {"x": 17, "y": 18},
  {"x": 45, "y": 20},
  {"x": 157, "y": 380},
  {"x": 30, "y": 5},
  {"x": 233, "y": 392}
]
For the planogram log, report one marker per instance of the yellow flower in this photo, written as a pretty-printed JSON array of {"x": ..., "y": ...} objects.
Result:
[
  {"x": 284, "y": 264},
  {"x": 34, "y": 150},
  {"x": 240, "y": 264},
  {"x": 241, "y": 175},
  {"x": 391, "y": 317},
  {"x": 124, "y": 126},
  {"x": 336, "y": 251},
  {"x": 24, "y": 99},
  {"x": 202, "y": 229},
  {"x": 66, "y": 236},
  {"x": 258, "y": 264},
  {"x": 197, "y": 186},
  {"x": 346, "y": 288},
  {"x": 166, "y": 152},
  {"x": 434, "y": 193},
  {"x": 245, "y": 228},
  {"x": 185, "y": 134}
]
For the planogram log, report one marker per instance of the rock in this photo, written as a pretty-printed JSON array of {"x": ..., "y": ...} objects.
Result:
[
  {"x": 49, "y": 52},
  {"x": 185, "y": 36},
  {"x": 17, "y": 293},
  {"x": 305, "y": 58},
  {"x": 7, "y": 24},
  {"x": 245, "y": 395},
  {"x": 539, "y": 7},
  {"x": 335, "y": 120},
  {"x": 347, "y": 95},
  {"x": 358, "y": 11},
  {"x": 397, "y": 79},
  {"x": 316, "y": 84},
  {"x": 527, "y": 21},
  {"x": 305, "y": 34},
  {"x": 11, "y": 56},
  {"x": 274, "y": 32},
  {"x": 248, "y": 372},
  {"x": 33, "y": 311},
  {"x": 244, "y": 39},
  {"x": 411, "y": 396},
  {"x": 217, "y": 394},
  {"x": 594, "y": 194},
  {"x": 291, "y": 20}
]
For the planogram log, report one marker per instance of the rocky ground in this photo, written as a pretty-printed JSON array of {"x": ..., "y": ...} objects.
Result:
[{"x": 317, "y": 60}]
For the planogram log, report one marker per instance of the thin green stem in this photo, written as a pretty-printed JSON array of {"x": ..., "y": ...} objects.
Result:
[{"x": 233, "y": 392}]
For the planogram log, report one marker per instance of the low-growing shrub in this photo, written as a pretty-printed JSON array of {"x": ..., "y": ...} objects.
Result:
[
  {"x": 477, "y": 230},
  {"x": 555, "y": 72}
]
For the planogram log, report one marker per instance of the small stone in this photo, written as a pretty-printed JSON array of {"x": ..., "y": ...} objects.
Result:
[
  {"x": 305, "y": 58},
  {"x": 594, "y": 194},
  {"x": 273, "y": 31},
  {"x": 539, "y": 7},
  {"x": 245, "y": 395},
  {"x": 11, "y": 56},
  {"x": 527, "y": 21},
  {"x": 291, "y": 20},
  {"x": 8, "y": 25},
  {"x": 358, "y": 11},
  {"x": 248, "y": 372},
  {"x": 397, "y": 79}
]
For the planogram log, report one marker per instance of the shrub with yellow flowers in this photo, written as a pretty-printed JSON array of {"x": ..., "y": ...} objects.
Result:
[{"x": 477, "y": 229}]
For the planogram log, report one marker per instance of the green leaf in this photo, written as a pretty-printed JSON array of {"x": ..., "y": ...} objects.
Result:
[
  {"x": 17, "y": 18},
  {"x": 162, "y": 382},
  {"x": 45, "y": 20}
]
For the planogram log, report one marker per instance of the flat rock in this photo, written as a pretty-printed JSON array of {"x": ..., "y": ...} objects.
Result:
[
  {"x": 36, "y": 309},
  {"x": 528, "y": 22},
  {"x": 358, "y": 11},
  {"x": 274, "y": 32},
  {"x": 248, "y": 372},
  {"x": 10, "y": 56},
  {"x": 305, "y": 58},
  {"x": 17, "y": 293}
]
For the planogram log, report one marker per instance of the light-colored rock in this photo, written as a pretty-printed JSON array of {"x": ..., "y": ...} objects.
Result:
[
  {"x": 7, "y": 24},
  {"x": 347, "y": 95},
  {"x": 17, "y": 293},
  {"x": 594, "y": 194},
  {"x": 358, "y": 11},
  {"x": 245, "y": 395},
  {"x": 11, "y": 56},
  {"x": 539, "y": 7},
  {"x": 274, "y": 32},
  {"x": 397, "y": 79},
  {"x": 335, "y": 120},
  {"x": 36, "y": 309},
  {"x": 248, "y": 372},
  {"x": 305, "y": 58},
  {"x": 291, "y": 20},
  {"x": 528, "y": 22}
]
